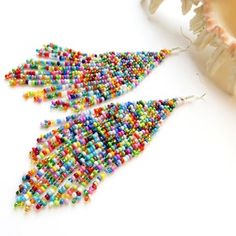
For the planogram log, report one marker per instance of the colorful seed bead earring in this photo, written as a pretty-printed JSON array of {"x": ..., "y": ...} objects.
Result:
[
  {"x": 73, "y": 159},
  {"x": 75, "y": 80}
]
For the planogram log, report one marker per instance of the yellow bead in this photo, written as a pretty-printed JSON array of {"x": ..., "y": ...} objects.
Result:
[
  {"x": 103, "y": 175},
  {"x": 67, "y": 125},
  {"x": 56, "y": 203},
  {"x": 67, "y": 185}
]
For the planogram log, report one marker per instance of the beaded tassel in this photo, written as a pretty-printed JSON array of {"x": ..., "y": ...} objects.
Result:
[
  {"x": 75, "y": 80},
  {"x": 73, "y": 159}
]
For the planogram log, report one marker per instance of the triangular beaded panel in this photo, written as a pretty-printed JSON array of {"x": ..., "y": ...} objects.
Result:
[
  {"x": 71, "y": 160},
  {"x": 75, "y": 80}
]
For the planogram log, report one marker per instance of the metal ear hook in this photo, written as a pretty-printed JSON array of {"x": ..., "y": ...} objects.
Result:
[
  {"x": 192, "y": 98},
  {"x": 180, "y": 49}
]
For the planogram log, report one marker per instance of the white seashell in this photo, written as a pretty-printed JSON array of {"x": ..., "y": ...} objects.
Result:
[
  {"x": 154, "y": 4},
  {"x": 186, "y": 6},
  {"x": 214, "y": 27}
]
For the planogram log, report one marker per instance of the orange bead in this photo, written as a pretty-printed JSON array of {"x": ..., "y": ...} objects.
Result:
[{"x": 86, "y": 198}]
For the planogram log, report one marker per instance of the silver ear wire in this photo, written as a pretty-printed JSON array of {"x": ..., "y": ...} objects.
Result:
[
  {"x": 192, "y": 98},
  {"x": 180, "y": 49}
]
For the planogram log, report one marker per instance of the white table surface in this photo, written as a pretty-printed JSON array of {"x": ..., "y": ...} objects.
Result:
[{"x": 184, "y": 183}]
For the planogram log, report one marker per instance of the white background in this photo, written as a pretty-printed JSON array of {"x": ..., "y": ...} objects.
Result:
[{"x": 185, "y": 181}]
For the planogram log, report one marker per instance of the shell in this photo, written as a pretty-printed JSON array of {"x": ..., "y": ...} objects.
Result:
[{"x": 213, "y": 26}]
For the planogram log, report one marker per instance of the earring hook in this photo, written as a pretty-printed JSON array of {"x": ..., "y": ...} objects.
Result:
[
  {"x": 180, "y": 49},
  {"x": 192, "y": 98}
]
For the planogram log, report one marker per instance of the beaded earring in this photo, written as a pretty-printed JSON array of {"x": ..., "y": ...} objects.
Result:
[
  {"x": 73, "y": 159},
  {"x": 75, "y": 80}
]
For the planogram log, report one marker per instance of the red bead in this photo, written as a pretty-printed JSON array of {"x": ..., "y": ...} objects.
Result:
[
  {"x": 94, "y": 186},
  {"x": 76, "y": 175}
]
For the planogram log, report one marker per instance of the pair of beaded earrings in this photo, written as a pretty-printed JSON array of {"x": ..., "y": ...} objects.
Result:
[{"x": 71, "y": 160}]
